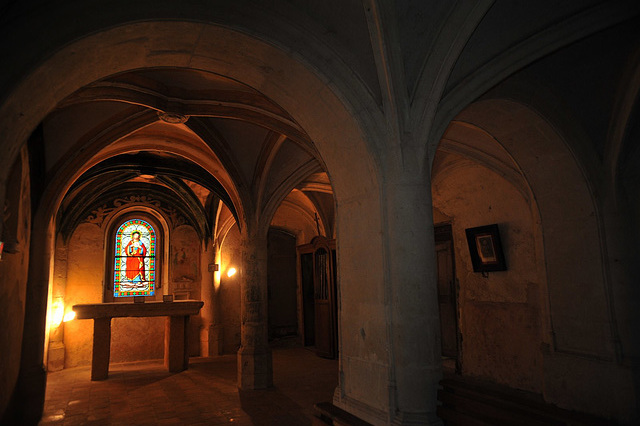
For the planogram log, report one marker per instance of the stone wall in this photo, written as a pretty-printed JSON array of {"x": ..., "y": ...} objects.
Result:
[
  {"x": 13, "y": 276},
  {"x": 229, "y": 292}
]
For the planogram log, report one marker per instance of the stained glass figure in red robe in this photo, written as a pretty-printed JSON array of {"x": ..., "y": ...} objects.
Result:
[
  {"x": 135, "y": 251},
  {"x": 134, "y": 259}
]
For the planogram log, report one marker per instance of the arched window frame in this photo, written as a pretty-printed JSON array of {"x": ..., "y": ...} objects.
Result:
[
  {"x": 111, "y": 237},
  {"x": 135, "y": 251}
]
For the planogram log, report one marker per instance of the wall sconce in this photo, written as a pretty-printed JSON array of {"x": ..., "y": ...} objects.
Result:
[
  {"x": 231, "y": 272},
  {"x": 71, "y": 315}
]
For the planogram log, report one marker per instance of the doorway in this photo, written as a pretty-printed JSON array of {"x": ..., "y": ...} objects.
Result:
[
  {"x": 318, "y": 276},
  {"x": 281, "y": 284}
]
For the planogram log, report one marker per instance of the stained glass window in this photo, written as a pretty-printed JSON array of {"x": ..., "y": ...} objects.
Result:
[{"x": 135, "y": 259}]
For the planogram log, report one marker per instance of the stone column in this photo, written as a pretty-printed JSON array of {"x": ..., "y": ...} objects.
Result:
[
  {"x": 55, "y": 359},
  {"x": 30, "y": 388},
  {"x": 413, "y": 295},
  {"x": 254, "y": 356},
  {"x": 210, "y": 331}
]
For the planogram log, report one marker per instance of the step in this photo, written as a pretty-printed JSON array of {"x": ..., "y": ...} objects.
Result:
[{"x": 495, "y": 404}]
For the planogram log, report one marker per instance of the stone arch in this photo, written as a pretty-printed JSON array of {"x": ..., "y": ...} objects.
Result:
[
  {"x": 320, "y": 119},
  {"x": 328, "y": 121},
  {"x": 324, "y": 112},
  {"x": 584, "y": 333}
]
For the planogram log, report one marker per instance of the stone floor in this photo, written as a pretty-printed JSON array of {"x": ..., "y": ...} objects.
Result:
[{"x": 206, "y": 394}]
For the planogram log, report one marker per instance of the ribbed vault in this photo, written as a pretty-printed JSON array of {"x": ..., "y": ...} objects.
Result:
[{"x": 160, "y": 131}]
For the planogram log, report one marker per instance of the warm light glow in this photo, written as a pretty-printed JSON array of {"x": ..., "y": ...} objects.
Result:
[
  {"x": 218, "y": 274},
  {"x": 57, "y": 313},
  {"x": 231, "y": 272},
  {"x": 69, "y": 316}
]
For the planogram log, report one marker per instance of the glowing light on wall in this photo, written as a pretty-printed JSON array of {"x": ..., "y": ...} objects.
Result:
[
  {"x": 231, "y": 272},
  {"x": 217, "y": 274},
  {"x": 57, "y": 313},
  {"x": 69, "y": 316}
]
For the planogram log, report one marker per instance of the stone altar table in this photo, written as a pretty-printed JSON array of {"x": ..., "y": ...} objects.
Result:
[{"x": 176, "y": 356}]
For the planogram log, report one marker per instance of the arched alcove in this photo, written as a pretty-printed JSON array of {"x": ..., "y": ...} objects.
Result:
[
  {"x": 500, "y": 314},
  {"x": 88, "y": 269},
  {"x": 580, "y": 311},
  {"x": 568, "y": 215}
]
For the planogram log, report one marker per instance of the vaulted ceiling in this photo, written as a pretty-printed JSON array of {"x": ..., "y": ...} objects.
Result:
[
  {"x": 182, "y": 135},
  {"x": 414, "y": 64}
]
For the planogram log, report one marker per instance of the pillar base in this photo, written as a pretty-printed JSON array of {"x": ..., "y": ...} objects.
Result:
[
  {"x": 255, "y": 370},
  {"x": 27, "y": 401},
  {"x": 55, "y": 358},
  {"x": 410, "y": 419},
  {"x": 211, "y": 341}
]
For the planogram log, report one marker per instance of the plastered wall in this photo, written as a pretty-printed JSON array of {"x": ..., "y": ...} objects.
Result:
[
  {"x": 499, "y": 315},
  {"x": 85, "y": 272},
  {"x": 185, "y": 276}
]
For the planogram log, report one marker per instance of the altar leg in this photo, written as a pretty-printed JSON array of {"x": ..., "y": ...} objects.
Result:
[
  {"x": 176, "y": 357},
  {"x": 101, "y": 348}
]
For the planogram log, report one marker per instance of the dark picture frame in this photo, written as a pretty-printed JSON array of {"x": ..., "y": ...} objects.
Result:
[{"x": 485, "y": 248}]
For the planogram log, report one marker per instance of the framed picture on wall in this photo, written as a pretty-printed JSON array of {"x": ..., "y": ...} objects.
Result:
[{"x": 485, "y": 248}]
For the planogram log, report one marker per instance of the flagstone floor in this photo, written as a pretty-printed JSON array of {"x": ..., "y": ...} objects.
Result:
[{"x": 144, "y": 393}]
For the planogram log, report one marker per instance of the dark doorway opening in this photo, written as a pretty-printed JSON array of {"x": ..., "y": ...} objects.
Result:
[
  {"x": 281, "y": 284},
  {"x": 308, "y": 302}
]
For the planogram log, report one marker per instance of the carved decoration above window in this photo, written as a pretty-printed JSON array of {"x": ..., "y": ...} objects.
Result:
[{"x": 98, "y": 216}]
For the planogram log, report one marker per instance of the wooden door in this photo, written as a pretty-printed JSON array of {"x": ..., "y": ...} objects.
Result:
[
  {"x": 323, "y": 303},
  {"x": 447, "y": 298},
  {"x": 317, "y": 283},
  {"x": 305, "y": 262}
]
